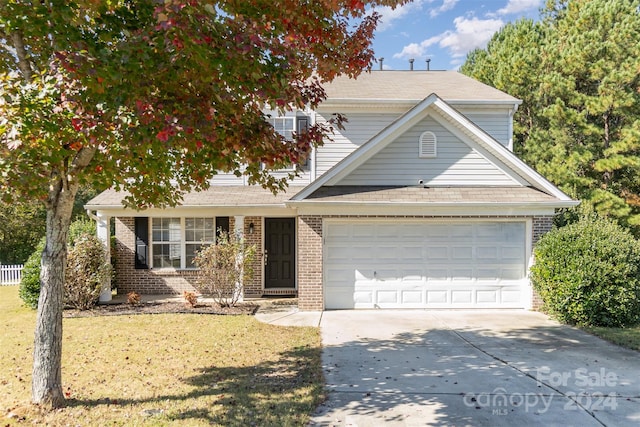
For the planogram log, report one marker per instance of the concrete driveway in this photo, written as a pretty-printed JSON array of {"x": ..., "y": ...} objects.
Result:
[{"x": 472, "y": 367}]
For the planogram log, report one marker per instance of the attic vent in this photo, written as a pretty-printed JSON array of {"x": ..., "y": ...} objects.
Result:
[{"x": 428, "y": 145}]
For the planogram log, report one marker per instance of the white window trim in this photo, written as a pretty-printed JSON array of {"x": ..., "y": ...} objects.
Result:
[
  {"x": 295, "y": 116},
  {"x": 183, "y": 243}
]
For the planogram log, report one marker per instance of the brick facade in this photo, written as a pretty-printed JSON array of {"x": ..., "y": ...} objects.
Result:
[
  {"x": 541, "y": 225},
  {"x": 145, "y": 281},
  {"x": 174, "y": 282},
  {"x": 310, "y": 295},
  {"x": 253, "y": 286}
]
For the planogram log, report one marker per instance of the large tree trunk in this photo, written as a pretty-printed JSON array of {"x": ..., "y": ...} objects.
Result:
[{"x": 46, "y": 385}]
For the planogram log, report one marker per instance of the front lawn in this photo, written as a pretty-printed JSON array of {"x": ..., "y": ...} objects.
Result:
[
  {"x": 625, "y": 337},
  {"x": 165, "y": 369}
]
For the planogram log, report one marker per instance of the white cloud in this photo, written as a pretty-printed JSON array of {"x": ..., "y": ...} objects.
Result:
[
  {"x": 445, "y": 6},
  {"x": 469, "y": 34},
  {"x": 517, "y": 6},
  {"x": 417, "y": 50}
]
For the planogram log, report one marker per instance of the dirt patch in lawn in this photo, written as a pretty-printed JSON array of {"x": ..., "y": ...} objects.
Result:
[{"x": 162, "y": 307}]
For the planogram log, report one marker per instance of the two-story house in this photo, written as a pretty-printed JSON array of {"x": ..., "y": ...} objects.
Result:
[{"x": 418, "y": 203}]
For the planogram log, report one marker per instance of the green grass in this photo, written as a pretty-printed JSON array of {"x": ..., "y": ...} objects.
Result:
[
  {"x": 195, "y": 369},
  {"x": 625, "y": 337}
]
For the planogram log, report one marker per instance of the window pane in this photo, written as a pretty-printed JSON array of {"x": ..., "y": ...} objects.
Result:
[
  {"x": 166, "y": 256},
  {"x": 192, "y": 251},
  {"x": 199, "y": 230},
  {"x": 166, "y": 229}
]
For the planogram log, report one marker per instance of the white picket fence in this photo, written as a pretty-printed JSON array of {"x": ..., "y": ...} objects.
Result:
[{"x": 10, "y": 274}]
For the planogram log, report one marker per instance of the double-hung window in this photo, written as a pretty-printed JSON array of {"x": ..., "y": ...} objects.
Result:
[
  {"x": 176, "y": 241},
  {"x": 199, "y": 232},
  {"x": 167, "y": 241},
  {"x": 287, "y": 125}
]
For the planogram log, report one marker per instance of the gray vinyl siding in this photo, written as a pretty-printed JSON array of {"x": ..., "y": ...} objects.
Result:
[
  {"x": 223, "y": 178},
  {"x": 455, "y": 164},
  {"x": 359, "y": 129},
  {"x": 494, "y": 122},
  {"x": 231, "y": 179}
]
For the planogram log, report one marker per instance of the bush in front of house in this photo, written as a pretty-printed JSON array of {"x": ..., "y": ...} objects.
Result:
[
  {"x": 87, "y": 269},
  {"x": 588, "y": 273},
  {"x": 74, "y": 294},
  {"x": 29, "y": 289},
  {"x": 223, "y": 267}
]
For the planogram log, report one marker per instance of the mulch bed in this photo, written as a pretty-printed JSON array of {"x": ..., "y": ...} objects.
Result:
[{"x": 161, "y": 308}]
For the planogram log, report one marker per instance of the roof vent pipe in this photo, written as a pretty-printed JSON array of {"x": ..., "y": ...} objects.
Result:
[
  {"x": 428, "y": 63},
  {"x": 411, "y": 64},
  {"x": 381, "y": 60}
]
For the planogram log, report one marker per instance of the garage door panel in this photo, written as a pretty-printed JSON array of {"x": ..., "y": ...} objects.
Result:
[
  {"x": 489, "y": 273},
  {"x": 437, "y": 297},
  {"x": 487, "y": 253},
  {"x": 460, "y": 230},
  {"x": 512, "y": 274},
  {"x": 487, "y": 297},
  {"x": 420, "y": 264},
  {"x": 510, "y": 296},
  {"x": 461, "y": 297},
  {"x": 340, "y": 299},
  {"x": 462, "y": 253},
  {"x": 437, "y": 274},
  {"x": 363, "y": 297},
  {"x": 437, "y": 253},
  {"x": 412, "y": 297}
]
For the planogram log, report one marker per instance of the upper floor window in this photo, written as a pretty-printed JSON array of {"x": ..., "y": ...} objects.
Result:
[{"x": 287, "y": 125}]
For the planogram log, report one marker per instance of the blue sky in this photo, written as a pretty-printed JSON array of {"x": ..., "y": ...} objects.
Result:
[{"x": 443, "y": 30}]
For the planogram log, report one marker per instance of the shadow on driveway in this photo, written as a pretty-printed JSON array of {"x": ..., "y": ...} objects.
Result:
[{"x": 477, "y": 367}]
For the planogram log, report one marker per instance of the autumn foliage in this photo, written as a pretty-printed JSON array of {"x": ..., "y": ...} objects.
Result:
[{"x": 153, "y": 97}]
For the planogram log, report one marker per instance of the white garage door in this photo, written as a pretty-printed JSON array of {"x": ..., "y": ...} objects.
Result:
[{"x": 395, "y": 264}]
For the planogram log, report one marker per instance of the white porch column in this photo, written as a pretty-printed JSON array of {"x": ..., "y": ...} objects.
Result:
[
  {"x": 104, "y": 234},
  {"x": 238, "y": 230}
]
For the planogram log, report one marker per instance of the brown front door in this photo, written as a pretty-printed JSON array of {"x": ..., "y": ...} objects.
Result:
[{"x": 280, "y": 253}]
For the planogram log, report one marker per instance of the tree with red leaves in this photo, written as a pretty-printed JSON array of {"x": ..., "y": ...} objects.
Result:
[{"x": 154, "y": 97}]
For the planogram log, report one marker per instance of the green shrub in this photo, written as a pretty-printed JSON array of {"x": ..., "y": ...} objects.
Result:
[
  {"x": 29, "y": 290},
  {"x": 87, "y": 269},
  {"x": 223, "y": 267},
  {"x": 79, "y": 228},
  {"x": 30, "y": 284},
  {"x": 588, "y": 273}
]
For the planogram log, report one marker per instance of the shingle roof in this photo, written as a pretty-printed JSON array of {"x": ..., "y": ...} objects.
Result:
[
  {"x": 257, "y": 196},
  {"x": 413, "y": 86},
  {"x": 214, "y": 196},
  {"x": 419, "y": 194}
]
